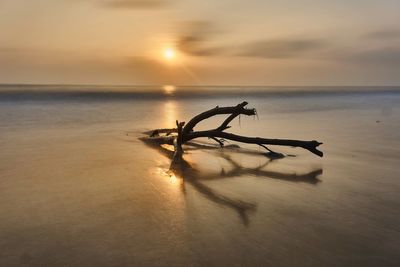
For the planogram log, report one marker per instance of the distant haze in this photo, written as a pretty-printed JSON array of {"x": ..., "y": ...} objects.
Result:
[{"x": 224, "y": 42}]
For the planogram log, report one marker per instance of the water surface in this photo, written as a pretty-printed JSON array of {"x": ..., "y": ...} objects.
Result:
[{"x": 77, "y": 186}]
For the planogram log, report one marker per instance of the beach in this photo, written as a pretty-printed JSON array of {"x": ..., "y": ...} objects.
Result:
[{"x": 79, "y": 188}]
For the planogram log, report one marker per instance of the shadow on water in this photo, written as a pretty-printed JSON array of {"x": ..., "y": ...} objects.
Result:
[{"x": 191, "y": 175}]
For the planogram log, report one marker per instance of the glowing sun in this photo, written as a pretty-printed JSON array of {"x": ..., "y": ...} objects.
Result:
[{"x": 169, "y": 53}]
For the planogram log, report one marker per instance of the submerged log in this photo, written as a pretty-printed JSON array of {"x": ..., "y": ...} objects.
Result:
[{"x": 185, "y": 132}]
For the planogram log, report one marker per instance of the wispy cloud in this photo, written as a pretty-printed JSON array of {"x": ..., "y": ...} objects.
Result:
[
  {"x": 203, "y": 38},
  {"x": 197, "y": 38},
  {"x": 195, "y": 46},
  {"x": 134, "y": 4},
  {"x": 385, "y": 55},
  {"x": 384, "y": 34},
  {"x": 281, "y": 48}
]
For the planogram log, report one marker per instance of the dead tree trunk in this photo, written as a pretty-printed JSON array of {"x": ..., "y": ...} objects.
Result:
[
  {"x": 178, "y": 141},
  {"x": 185, "y": 133}
]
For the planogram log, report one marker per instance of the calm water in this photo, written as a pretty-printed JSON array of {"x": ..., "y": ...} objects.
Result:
[{"x": 78, "y": 188}]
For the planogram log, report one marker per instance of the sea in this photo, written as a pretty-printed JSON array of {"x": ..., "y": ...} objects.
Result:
[{"x": 79, "y": 187}]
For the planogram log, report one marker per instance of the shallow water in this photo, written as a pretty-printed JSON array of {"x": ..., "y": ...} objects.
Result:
[{"x": 77, "y": 186}]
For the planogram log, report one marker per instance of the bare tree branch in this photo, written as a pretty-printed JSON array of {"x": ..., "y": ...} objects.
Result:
[
  {"x": 185, "y": 133},
  {"x": 239, "y": 109},
  {"x": 225, "y": 124},
  {"x": 308, "y": 145}
]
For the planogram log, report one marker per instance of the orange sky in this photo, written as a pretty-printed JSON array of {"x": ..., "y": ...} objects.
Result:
[{"x": 225, "y": 42}]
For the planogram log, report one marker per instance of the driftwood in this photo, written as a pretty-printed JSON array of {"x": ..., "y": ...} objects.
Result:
[{"x": 184, "y": 133}]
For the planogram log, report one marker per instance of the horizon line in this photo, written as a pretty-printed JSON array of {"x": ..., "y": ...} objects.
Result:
[{"x": 185, "y": 85}]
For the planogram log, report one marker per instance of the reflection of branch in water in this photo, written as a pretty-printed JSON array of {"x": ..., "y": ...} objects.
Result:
[
  {"x": 241, "y": 207},
  {"x": 238, "y": 170},
  {"x": 191, "y": 175}
]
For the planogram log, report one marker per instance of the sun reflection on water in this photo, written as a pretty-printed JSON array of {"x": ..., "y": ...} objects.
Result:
[
  {"x": 173, "y": 179},
  {"x": 169, "y": 89},
  {"x": 170, "y": 111},
  {"x": 166, "y": 173}
]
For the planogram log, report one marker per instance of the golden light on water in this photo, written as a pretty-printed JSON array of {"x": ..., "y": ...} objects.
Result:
[
  {"x": 165, "y": 173},
  {"x": 170, "y": 114},
  {"x": 173, "y": 179},
  {"x": 169, "y": 89}
]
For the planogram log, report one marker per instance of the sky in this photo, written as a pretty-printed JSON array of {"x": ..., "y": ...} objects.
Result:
[{"x": 224, "y": 42}]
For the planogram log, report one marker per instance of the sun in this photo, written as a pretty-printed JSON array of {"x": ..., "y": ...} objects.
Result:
[{"x": 169, "y": 53}]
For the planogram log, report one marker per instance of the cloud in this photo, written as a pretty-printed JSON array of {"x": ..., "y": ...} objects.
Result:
[
  {"x": 381, "y": 56},
  {"x": 197, "y": 38},
  {"x": 281, "y": 48},
  {"x": 43, "y": 66},
  {"x": 196, "y": 46},
  {"x": 203, "y": 38},
  {"x": 134, "y": 4},
  {"x": 384, "y": 34}
]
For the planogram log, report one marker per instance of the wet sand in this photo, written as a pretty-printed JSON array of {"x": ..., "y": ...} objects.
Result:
[{"x": 78, "y": 187}]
